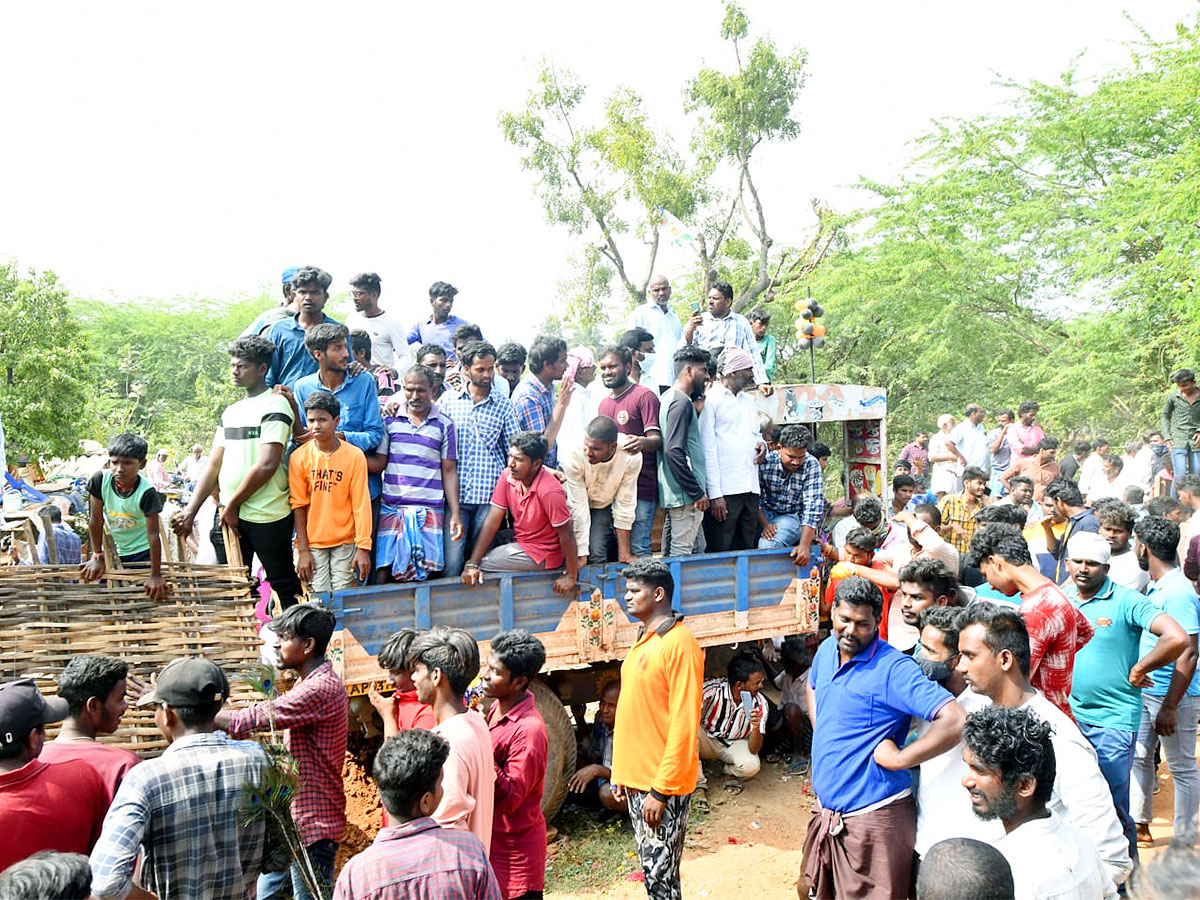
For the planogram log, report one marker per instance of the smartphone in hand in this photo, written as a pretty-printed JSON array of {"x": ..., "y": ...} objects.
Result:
[{"x": 747, "y": 703}]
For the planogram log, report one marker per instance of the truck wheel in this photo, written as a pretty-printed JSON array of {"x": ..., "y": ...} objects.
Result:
[{"x": 560, "y": 761}]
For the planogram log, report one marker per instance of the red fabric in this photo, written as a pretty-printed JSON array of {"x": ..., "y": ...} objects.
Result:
[
  {"x": 110, "y": 763},
  {"x": 314, "y": 715},
  {"x": 520, "y": 746},
  {"x": 831, "y": 590},
  {"x": 50, "y": 807},
  {"x": 1056, "y": 631},
  {"x": 636, "y": 412},
  {"x": 536, "y": 512},
  {"x": 412, "y": 713}
]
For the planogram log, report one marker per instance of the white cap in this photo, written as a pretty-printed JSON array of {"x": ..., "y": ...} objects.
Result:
[{"x": 1089, "y": 545}]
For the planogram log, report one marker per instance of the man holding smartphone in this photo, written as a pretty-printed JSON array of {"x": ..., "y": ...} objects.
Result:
[{"x": 733, "y": 720}]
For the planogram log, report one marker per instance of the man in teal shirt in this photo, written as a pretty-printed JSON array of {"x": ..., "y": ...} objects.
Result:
[
  {"x": 1110, "y": 669},
  {"x": 760, "y": 321},
  {"x": 1171, "y": 703}
]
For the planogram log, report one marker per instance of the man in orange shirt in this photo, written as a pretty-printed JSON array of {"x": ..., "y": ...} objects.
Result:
[
  {"x": 655, "y": 764},
  {"x": 327, "y": 478}
]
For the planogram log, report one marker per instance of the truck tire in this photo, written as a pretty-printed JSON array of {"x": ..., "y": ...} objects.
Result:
[{"x": 560, "y": 760}]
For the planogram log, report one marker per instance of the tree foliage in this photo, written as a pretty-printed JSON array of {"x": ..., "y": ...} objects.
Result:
[
  {"x": 44, "y": 357},
  {"x": 1049, "y": 253}
]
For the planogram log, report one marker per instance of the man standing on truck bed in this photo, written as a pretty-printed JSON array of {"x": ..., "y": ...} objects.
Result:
[{"x": 655, "y": 764}]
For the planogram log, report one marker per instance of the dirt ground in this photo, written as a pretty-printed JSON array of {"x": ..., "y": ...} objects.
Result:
[{"x": 747, "y": 846}]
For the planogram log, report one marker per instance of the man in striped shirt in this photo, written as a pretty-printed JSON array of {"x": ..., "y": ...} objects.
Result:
[{"x": 419, "y": 458}]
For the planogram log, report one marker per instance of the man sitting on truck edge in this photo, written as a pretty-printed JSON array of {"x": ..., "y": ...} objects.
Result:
[
  {"x": 658, "y": 715},
  {"x": 402, "y": 710},
  {"x": 792, "y": 487},
  {"x": 313, "y": 715},
  {"x": 543, "y": 538}
]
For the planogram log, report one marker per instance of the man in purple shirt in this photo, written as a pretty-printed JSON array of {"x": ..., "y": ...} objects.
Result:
[
  {"x": 916, "y": 453},
  {"x": 439, "y": 327},
  {"x": 415, "y": 857}
]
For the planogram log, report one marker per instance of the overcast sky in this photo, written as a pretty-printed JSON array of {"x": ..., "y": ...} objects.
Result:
[{"x": 167, "y": 149}]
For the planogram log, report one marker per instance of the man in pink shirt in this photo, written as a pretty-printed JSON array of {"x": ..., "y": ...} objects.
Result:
[
  {"x": 541, "y": 521},
  {"x": 1026, "y": 434},
  {"x": 94, "y": 688},
  {"x": 444, "y": 660},
  {"x": 520, "y": 747}
]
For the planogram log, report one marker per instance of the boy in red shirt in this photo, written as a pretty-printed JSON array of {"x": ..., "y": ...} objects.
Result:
[
  {"x": 402, "y": 710},
  {"x": 94, "y": 688},
  {"x": 860, "y": 560},
  {"x": 520, "y": 747},
  {"x": 327, "y": 479}
]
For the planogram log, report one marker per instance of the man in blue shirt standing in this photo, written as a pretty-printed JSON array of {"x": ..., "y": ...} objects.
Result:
[
  {"x": 439, "y": 327},
  {"x": 862, "y": 695},
  {"x": 1110, "y": 670},
  {"x": 1170, "y": 704},
  {"x": 292, "y": 360}
]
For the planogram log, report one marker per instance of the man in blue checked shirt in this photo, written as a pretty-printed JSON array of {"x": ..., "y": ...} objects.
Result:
[
  {"x": 484, "y": 423},
  {"x": 793, "y": 486},
  {"x": 533, "y": 400},
  {"x": 66, "y": 541},
  {"x": 186, "y": 808}
]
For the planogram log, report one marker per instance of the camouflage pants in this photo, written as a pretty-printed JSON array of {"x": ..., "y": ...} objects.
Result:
[{"x": 660, "y": 849}]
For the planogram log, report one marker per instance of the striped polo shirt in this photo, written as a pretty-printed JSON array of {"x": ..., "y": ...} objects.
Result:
[{"x": 413, "y": 475}]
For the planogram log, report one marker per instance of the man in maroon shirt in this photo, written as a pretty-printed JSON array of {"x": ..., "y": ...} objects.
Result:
[
  {"x": 42, "y": 806},
  {"x": 313, "y": 715},
  {"x": 520, "y": 747},
  {"x": 634, "y": 408},
  {"x": 94, "y": 688}
]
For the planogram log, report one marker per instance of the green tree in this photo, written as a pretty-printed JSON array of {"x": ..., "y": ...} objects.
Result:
[{"x": 44, "y": 357}]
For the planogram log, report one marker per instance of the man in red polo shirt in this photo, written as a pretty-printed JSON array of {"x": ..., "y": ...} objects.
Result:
[
  {"x": 43, "y": 806},
  {"x": 541, "y": 521}
]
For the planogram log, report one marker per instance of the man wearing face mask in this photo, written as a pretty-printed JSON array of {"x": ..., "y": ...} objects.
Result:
[
  {"x": 943, "y": 808},
  {"x": 1110, "y": 670}
]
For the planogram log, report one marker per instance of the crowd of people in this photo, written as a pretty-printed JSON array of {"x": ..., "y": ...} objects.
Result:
[{"x": 1012, "y": 638}]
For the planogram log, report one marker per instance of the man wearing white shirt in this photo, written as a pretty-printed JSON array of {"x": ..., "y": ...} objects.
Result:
[
  {"x": 1091, "y": 470},
  {"x": 657, "y": 317},
  {"x": 993, "y": 644},
  {"x": 389, "y": 346},
  {"x": 1116, "y": 526},
  {"x": 968, "y": 441},
  {"x": 1011, "y": 767},
  {"x": 733, "y": 447}
]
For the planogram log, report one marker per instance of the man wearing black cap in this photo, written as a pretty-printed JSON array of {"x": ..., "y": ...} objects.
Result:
[
  {"x": 186, "y": 807},
  {"x": 42, "y": 806}
]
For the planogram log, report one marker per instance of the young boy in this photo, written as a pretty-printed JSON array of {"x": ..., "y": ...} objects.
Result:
[
  {"x": 520, "y": 747},
  {"x": 402, "y": 710},
  {"x": 415, "y": 858},
  {"x": 313, "y": 715},
  {"x": 127, "y": 501},
  {"x": 327, "y": 478},
  {"x": 792, "y": 725},
  {"x": 94, "y": 688},
  {"x": 860, "y": 560}
]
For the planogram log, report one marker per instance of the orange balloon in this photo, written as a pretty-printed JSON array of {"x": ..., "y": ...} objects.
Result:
[{"x": 818, "y": 329}]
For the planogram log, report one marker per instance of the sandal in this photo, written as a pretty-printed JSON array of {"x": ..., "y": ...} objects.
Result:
[
  {"x": 700, "y": 800},
  {"x": 733, "y": 786}
]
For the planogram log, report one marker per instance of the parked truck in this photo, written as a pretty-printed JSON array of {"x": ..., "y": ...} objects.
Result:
[{"x": 728, "y": 598}]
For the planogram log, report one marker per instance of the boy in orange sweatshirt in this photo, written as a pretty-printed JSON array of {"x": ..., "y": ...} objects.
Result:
[{"x": 327, "y": 478}]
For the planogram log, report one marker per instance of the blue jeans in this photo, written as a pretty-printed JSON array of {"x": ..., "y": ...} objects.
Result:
[
  {"x": 473, "y": 517},
  {"x": 274, "y": 885},
  {"x": 787, "y": 534},
  {"x": 643, "y": 525},
  {"x": 1180, "y": 751},
  {"x": 1184, "y": 461},
  {"x": 1114, "y": 749}
]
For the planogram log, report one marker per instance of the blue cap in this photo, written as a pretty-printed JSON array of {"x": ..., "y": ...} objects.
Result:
[{"x": 289, "y": 274}]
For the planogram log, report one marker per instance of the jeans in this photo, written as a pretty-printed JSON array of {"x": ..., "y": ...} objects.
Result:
[
  {"x": 643, "y": 526},
  {"x": 274, "y": 885},
  {"x": 1184, "y": 460},
  {"x": 602, "y": 538},
  {"x": 272, "y": 543},
  {"x": 473, "y": 517},
  {"x": 1180, "y": 751},
  {"x": 787, "y": 534},
  {"x": 1114, "y": 748}
]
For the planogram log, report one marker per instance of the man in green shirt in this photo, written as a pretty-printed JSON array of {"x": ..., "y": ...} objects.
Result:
[
  {"x": 1181, "y": 425},
  {"x": 760, "y": 321},
  {"x": 245, "y": 464}
]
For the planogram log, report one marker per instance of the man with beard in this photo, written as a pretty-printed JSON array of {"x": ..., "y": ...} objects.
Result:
[
  {"x": 1170, "y": 705},
  {"x": 1010, "y": 773},
  {"x": 792, "y": 487},
  {"x": 635, "y": 409},
  {"x": 681, "y": 479},
  {"x": 958, "y": 510},
  {"x": 484, "y": 425},
  {"x": 1110, "y": 671},
  {"x": 920, "y": 584},
  {"x": 942, "y": 809},
  {"x": 389, "y": 343},
  {"x": 862, "y": 694},
  {"x": 993, "y": 647}
]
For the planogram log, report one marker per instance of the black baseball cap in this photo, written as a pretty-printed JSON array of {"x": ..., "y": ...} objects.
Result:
[
  {"x": 24, "y": 708},
  {"x": 190, "y": 681}
]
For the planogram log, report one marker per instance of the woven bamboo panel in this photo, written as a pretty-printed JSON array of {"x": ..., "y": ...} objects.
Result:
[{"x": 47, "y": 616}]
